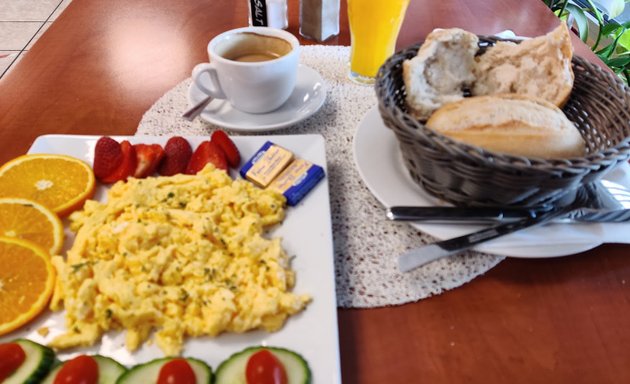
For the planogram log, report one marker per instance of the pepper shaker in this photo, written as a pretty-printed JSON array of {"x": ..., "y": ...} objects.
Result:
[
  {"x": 268, "y": 13},
  {"x": 319, "y": 19}
]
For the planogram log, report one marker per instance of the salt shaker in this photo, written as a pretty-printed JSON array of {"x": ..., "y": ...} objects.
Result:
[
  {"x": 319, "y": 19},
  {"x": 268, "y": 13}
]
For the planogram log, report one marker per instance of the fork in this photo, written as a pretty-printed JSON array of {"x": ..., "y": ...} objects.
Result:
[{"x": 587, "y": 202}]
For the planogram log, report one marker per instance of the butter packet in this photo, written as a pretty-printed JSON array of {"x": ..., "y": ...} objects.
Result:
[
  {"x": 266, "y": 164},
  {"x": 297, "y": 180}
]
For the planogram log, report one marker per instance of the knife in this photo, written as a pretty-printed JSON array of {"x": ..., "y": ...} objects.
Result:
[
  {"x": 591, "y": 201},
  {"x": 483, "y": 215},
  {"x": 425, "y": 254}
]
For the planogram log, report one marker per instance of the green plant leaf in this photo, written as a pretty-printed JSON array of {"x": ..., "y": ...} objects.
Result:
[
  {"x": 580, "y": 20},
  {"x": 611, "y": 28},
  {"x": 596, "y": 12},
  {"x": 563, "y": 17},
  {"x": 600, "y": 22},
  {"x": 624, "y": 40},
  {"x": 606, "y": 52},
  {"x": 618, "y": 62},
  {"x": 558, "y": 8},
  {"x": 616, "y": 54}
]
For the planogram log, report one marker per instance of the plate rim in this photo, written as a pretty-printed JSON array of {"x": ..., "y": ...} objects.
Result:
[{"x": 373, "y": 120}]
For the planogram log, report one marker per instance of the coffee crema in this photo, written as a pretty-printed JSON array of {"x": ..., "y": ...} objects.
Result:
[
  {"x": 255, "y": 57},
  {"x": 249, "y": 47}
]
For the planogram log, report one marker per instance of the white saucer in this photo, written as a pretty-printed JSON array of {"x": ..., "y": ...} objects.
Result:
[
  {"x": 380, "y": 164},
  {"x": 307, "y": 98}
]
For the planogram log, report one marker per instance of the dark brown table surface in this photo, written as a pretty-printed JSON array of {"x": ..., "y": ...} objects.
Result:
[{"x": 103, "y": 63}]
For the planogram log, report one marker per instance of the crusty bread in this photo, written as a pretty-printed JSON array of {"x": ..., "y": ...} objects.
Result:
[
  {"x": 441, "y": 70},
  {"x": 510, "y": 124},
  {"x": 538, "y": 67}
]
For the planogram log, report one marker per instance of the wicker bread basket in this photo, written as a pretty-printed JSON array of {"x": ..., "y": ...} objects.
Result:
[{"x": 467, "y": 175}]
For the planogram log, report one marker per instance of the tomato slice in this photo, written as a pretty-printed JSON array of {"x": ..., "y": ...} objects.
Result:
[
  {"x": 11, "y": 357},
  {"x": 177, "y": 371},
  {"x": 263, "y": 367},
  {"x": 80, "y": 370}
]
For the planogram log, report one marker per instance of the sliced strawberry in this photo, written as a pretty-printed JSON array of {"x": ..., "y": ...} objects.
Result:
[
  {"x": 206, "y": 152},
  {"x": 227, "y": 145},
  {"x": 107, "y": 157},
  {"x": 149, "y": 157},
  {"x": 177, "y": 153},
  {"x": 127, "y": 165}
]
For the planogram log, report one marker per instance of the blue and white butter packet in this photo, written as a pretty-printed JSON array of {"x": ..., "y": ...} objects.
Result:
[
  {"x": 266, "y": 164},
  {"x": 275, "y": 167},
  {"x": 297, "y": 180}
]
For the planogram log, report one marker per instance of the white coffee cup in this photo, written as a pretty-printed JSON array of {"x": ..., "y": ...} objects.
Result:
[{"x": 254, "y": 68}]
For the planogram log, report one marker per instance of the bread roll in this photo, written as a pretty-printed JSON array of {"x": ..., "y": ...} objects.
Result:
[
  {"x": 510, "y": 124},
  {"x": 538, "y": 67},
  {"x": 441, "y": 70}
]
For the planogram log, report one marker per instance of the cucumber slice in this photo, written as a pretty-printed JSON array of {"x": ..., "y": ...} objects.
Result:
[
  {"x": 39, "y": 360},
  {"x": 232, "y": 370},
  {"x": 109, "y": 370},
  {"x": 148, "y": 373}
]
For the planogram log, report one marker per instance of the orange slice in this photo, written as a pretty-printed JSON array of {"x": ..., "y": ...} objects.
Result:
[
  {"x": 26, "y": 282},
  {"x": 28, "y": 220},
  {"x": 61, "y": 183}
]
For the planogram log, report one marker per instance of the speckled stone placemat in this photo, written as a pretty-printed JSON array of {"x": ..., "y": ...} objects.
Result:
[{"x": 366, "y": 243}]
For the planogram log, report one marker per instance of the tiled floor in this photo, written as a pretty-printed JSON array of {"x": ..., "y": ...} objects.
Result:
[{"x": 22, "y": 22}]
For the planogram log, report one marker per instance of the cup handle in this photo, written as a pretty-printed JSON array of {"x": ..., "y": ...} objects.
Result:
[{"x": 210, "y": 69}]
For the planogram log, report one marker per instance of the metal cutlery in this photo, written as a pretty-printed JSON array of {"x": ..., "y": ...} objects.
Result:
[
  {"x": 460, "y": 215},
  {"x": 478, "y": 215},
  {"x": 596, "y": 199},
  {"x": 197, "y": 109},
  {"x": 608, "y": 206}
]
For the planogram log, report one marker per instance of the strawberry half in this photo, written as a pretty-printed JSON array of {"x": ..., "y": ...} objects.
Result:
[
  {"x": 126, "y": 167},
  {"x": 177, "y": 153},
  {"x": 206, "y": 152},
  {"x": 107, "y": 157},
  {"x": 148, "y": 158},
  {"x": 227, "y": 145}
]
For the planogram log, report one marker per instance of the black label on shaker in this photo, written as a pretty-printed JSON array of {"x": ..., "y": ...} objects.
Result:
[{"x": 259, "y": 13}]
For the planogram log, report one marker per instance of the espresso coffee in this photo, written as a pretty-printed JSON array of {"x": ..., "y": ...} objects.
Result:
[
  {"x": 253, "y": 68},
  {"x": 255, "y": 57},
  {"x": 253, "y": 47}
]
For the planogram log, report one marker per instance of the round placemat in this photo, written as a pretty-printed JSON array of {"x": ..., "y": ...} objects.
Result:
[{"x": 366, "y": 243}]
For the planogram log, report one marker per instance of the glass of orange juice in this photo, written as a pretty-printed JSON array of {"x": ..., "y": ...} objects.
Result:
[{"x": 374, "y": 27}]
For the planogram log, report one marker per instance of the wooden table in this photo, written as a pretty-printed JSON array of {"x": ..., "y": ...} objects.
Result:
[{"x": 103, "y": 63}]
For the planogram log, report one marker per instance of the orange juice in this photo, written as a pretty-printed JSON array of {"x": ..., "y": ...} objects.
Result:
[{"x": 374, "y": 27}]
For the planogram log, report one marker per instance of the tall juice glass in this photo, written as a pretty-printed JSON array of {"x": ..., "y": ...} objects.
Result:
[{"x": 374, "y": 28}]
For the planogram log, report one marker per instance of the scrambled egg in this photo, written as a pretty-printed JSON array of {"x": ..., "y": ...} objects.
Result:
[{"x": 181, "y": 256}]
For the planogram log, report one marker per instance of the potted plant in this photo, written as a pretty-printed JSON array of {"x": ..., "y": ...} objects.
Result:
[{"x": 612, "y": 40}]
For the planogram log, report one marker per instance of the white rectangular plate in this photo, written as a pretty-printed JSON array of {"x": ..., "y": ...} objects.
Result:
[{"x": 306, "y": 234}]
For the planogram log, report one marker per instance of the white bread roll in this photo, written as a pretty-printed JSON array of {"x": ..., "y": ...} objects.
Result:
[
  {"x": 510, "y": 124},
  {"x": 538, "y": 67},
  {"x": 441, "y": 70}
]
